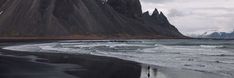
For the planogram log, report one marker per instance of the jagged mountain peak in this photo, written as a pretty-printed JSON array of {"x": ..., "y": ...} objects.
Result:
[
  {"x": 146, "y": 14},
  {"x": 155, "y": 12},
  {"x": 163, "y": 18}
]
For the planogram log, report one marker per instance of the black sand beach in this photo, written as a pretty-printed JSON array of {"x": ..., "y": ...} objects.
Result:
[
  {"x": 43, "y": 64},
  {"x": 15, "y": 64}
]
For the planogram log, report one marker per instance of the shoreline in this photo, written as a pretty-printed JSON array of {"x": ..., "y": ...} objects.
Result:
[
  {"x": 86, "y": 37},
  {"x": 86, "y": 66},
  {"x": 91, "y": 66}
]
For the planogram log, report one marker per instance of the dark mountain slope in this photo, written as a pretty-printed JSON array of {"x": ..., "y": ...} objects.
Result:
[
  {"x": 38, "y": 18},
  {"x": 129, "y": 8}
]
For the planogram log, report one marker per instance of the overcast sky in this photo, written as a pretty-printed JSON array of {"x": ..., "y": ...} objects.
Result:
[{"x": 196, "y": 16}]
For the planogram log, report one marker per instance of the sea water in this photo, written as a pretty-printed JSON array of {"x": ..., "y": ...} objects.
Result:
[{"x": 212, "y": 56}]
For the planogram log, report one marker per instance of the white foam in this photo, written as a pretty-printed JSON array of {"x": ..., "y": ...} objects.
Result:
[{"x": 212, "y": 46}]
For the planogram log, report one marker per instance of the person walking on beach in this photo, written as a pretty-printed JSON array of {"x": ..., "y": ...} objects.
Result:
[{"x": 148, "y": 72}]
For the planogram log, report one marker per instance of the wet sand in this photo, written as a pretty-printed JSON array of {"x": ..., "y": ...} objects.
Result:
[{"x": 15, "y": 64}]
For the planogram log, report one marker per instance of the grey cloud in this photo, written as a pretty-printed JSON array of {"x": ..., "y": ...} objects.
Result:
[
  {"x": 214, "y": 12},
  {"x": 215, "y": 8},
  {"x": 175, "y": 12},
  {"x": 224, "y": 15}
]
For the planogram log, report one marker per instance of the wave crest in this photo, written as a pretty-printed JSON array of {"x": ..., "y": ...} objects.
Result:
[{"x": 212, "y": 46}]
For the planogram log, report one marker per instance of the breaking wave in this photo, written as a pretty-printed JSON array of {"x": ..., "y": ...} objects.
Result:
[{"x": 212, "y": 46}]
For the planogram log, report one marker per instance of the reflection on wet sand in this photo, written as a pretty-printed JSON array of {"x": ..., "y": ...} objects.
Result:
[
  {"x": 149, "y": 72},
  {"x": 163, "y": 72}
]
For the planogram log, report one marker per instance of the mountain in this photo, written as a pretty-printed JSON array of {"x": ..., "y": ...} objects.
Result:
[
  {"x": 221, "y": 35},
  {"x": 82, "y": 18}
]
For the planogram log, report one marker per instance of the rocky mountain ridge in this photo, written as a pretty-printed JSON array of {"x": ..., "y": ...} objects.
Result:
[{"x": 113, "y": 18}]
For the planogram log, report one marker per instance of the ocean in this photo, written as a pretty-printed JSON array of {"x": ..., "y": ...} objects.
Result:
[{"x": 204, "y": 55}]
